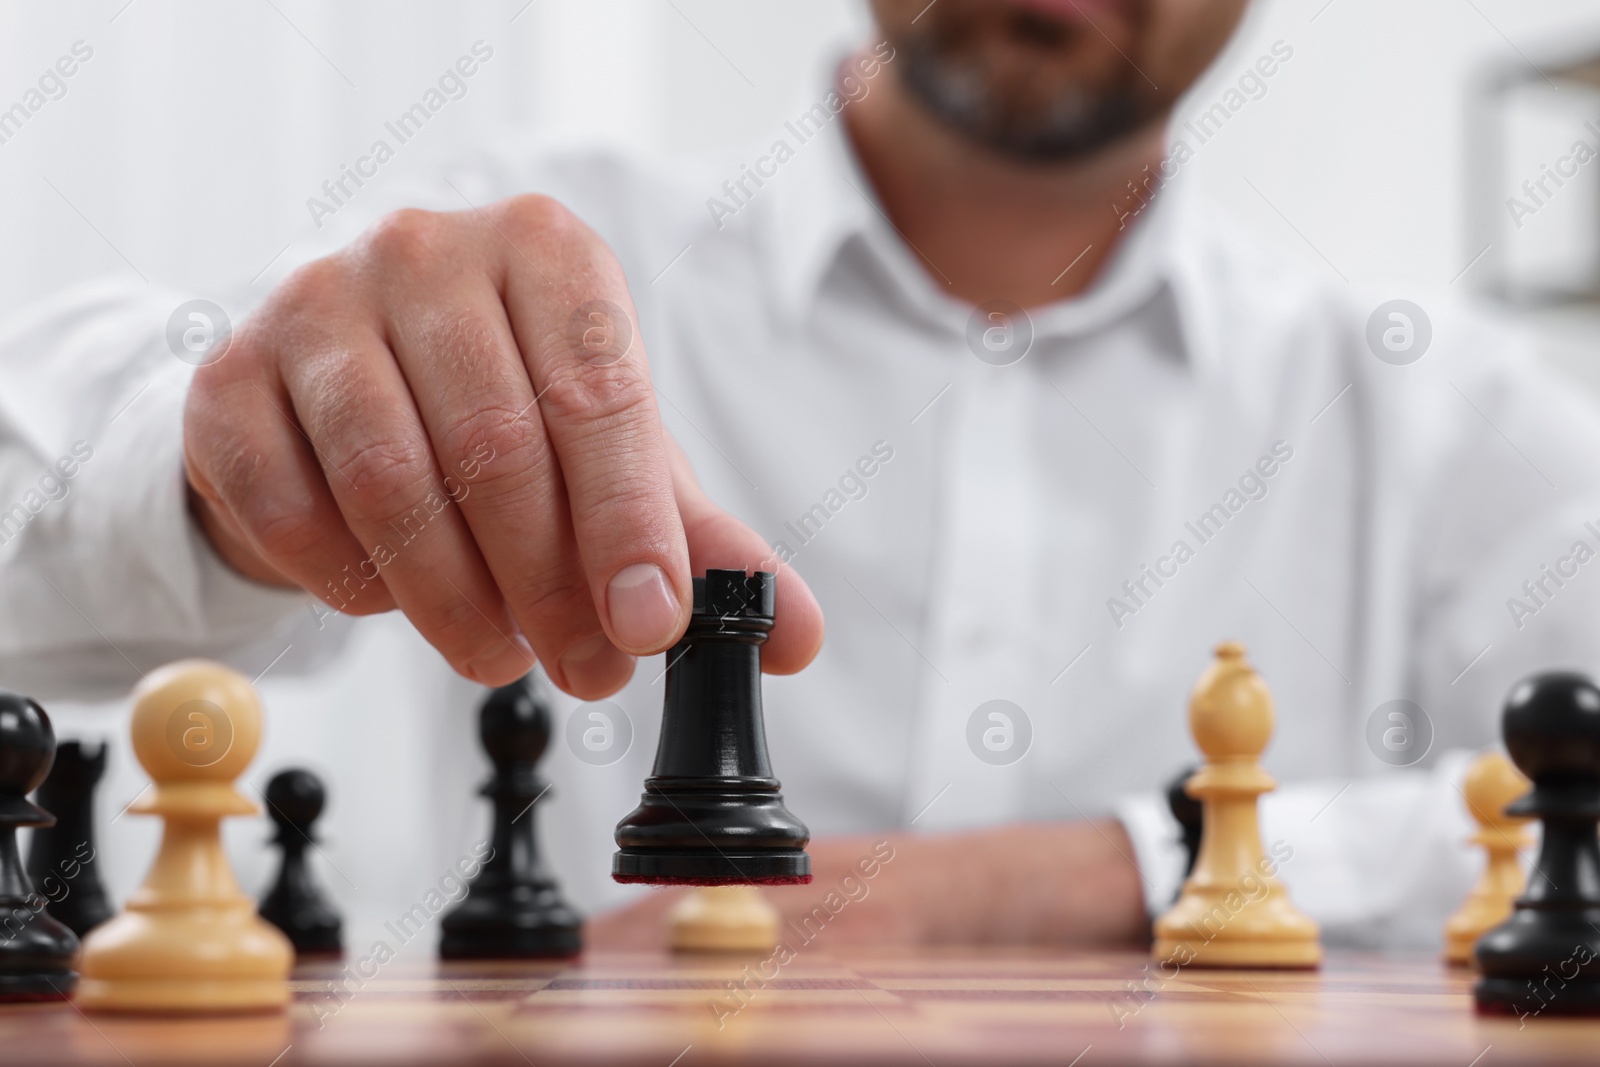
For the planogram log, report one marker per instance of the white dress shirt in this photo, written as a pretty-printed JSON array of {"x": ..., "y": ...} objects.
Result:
[{"x": 1366, "y": 523}]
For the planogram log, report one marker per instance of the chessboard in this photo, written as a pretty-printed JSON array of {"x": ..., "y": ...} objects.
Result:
[{"x": 915, "y": 1007}]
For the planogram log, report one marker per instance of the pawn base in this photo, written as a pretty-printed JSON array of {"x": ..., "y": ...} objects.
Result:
[
  {"x": 1266, "y": 955},
  {"x": 1458, "y": 950},
  {"x": 42, "y": 985},
  {"x": 319, "y": 941},
  {"x": 1512, "y": 996},
  {"x": 522, "y": 921},
  {"x": 181, "y": 996},
  {"x": 202, "y": 961},
  {"x": 547, "y": 943},
  {"x": 36, "y": 953}
]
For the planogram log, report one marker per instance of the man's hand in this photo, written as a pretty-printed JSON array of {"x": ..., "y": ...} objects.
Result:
[
  {"x": 1032, "y": 883},
  {"x": 454, "y": 417}
]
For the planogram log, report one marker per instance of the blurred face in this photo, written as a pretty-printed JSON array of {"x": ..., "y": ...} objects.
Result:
[{"x": 1050, "y": 80}]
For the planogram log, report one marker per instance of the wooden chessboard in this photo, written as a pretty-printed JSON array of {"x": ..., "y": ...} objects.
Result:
[{"x": 859, "y": 1007}]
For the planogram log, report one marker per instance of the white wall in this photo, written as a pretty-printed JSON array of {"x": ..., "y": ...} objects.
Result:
[
  {"x": 185, "y": 148},
  {"x": 194, "y": 135}
]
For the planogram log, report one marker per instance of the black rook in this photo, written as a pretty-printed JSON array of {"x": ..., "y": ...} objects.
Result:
[
  {"x": 711, "y": 813},
  {"x": 64, "y": 855}
]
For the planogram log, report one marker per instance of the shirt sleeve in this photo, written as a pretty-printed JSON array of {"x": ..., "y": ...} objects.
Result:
[{"x": 103, "y": 574}]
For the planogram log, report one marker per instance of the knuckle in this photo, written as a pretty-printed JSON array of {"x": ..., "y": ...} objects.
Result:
[
  {"x": 384, "y": 476},
  {"x": 229, "y": 471},
  {"x": 409, "y": 238},
  {"x": 496, "y": 442},
  {"x": 611, "y": 398},
  {"x": 468, "y": 343},
  {"x": 632, "y": 500},
  {"x": 308, "y": 288},
  {"x": 538, "y": 217},
  {"x": 458, "y": 628},
  {"x": 219, "y": 385},
  {"x": 283, "y": 533},
  {"x": 552, "y": 604}
]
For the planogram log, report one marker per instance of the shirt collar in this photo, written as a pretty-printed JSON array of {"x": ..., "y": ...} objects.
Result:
[{"x": 821, "y": 199}]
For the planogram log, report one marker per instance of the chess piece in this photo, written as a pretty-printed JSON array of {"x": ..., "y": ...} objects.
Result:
[
  {"x": 295, "y": 903},
  {"x": 1545, "y": 959},
  {"x": 64, "y": 855},
  {"x": 35, "y": 950},
  {"x": 1187, "y": 813},
  {"x": 711, "y": 813},
  {"x": 1233, "y": 912},
  {"x": 1492, "y": 782},
  {"x": 189, "y": 941},
  {"x": 513, "y": 909},
  {"x": 723, "y": 918}
]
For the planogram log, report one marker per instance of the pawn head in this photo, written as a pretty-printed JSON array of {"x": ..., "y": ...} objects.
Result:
[
  {"x": 27, "y": 744},
  {"x": 195, "y": 721},
  {"x": 1230, "y": 710},
  {"x": 1551, "y": 726},
  {"x": 295, "y": 798},
  {"x": 514, "y": 724},
  {"x": 1492, "y": 782}
]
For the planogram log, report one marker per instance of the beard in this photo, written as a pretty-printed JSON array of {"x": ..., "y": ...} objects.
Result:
[{"x": 1025, "y": 110}]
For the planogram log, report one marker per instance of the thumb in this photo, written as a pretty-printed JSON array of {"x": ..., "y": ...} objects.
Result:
[{"x": 717, "y": 539}]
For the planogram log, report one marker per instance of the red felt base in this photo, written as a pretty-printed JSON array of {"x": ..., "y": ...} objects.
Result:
[{"x": 627, "y": 879}]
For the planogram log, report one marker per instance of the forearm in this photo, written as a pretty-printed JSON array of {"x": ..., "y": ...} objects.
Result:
[{"x": 1034, "y": 883}]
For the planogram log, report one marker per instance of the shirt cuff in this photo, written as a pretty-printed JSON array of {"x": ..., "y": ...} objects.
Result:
[{"x": 1157, "y": 847}]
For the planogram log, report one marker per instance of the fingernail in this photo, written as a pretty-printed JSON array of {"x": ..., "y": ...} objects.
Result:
[{"x": 644, "y": 610}]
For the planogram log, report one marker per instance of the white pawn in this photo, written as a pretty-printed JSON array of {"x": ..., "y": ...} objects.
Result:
[
  {"x": 724, "y": 918},
  {"x": 190, "y": 940},
  {"x": 1492, "y": 782}
]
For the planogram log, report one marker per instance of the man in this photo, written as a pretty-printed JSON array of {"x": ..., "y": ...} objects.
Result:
[{"x": 1029, "y": 525}]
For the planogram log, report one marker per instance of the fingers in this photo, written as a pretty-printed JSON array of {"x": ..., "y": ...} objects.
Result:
[
  {"x": 717, "y": 539},
  {"x": 264, "y": 500},
  {"x": 575, "y": 329},
  {"x": 454, "y": 346},
  {"x": 379, "y": 466},
  {"x": 455, "y": 417}
]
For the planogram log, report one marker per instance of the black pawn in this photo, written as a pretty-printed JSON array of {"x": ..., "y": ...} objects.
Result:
[
  {"x": 295, "y": 903},
  {"x": 513, "y": 909},
  {"x": 1189, "y": 815},
  {"x": 1545, "y": 959},
  {"x": 35, "y": 950},
  {"x": 64, "y": 855},
  {"x": 711, "y": 813}
]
